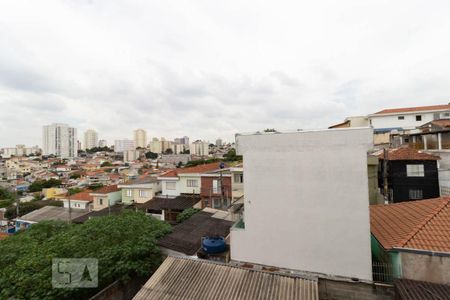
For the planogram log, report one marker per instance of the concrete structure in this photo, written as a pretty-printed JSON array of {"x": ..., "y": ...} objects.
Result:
[
  {"x": 155, "y": 146},
  {"x": 219, "y": 142},
  {"x": 90, "y": 139},
  {"x": 357, "y": 121},
  {"x": 131, "y": 155},
  {"x": 306, "y": 202},
  {"x": 124, "y": 145},
  {"x": 60, "y": 140},
  {"x": 140, "y": 138},
  {"x": 199, "y": 148}
]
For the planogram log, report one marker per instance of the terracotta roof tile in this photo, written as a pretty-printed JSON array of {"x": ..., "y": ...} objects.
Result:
[
  {"x": 413, "y": 109},
  {"x": 106, "y": 189},
  {"x": 406, "y": 154},
  {"x": 196, "y": 169},
  {"x": 423, "y": 224},
  {"x": 85, "y": 196}
]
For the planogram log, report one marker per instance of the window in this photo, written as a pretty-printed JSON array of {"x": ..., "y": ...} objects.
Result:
[
  {"x": 171, "y": 186},
  {"x": 217, "y": 203},
  {"x": 415, "y": 171},
  {"x": 143, "y": 193},
  {"x": 216, "y": 186},
  {"x": 415, "y": 194},
  {"x": 419, "y": 118},
  {"x": 192, "y": 183},
  {"x": 100, "y": 201},
  {"x": 129, "y": 193},
  {"x": 238, "y": 178},
  {"x": 401, "y": 117}
]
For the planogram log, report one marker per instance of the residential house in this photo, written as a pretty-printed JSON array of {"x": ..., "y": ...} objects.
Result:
[
  {"x": 220, "y": 188},
  {"x": 311, "y": 213},
  {"x": 168, "y": 209},
  {"x": 54, "y": 193},
  {"x": 185, "y": 180},
  {"x": 140, "y": 190},
  {"x": 388, "y": 120},
  {"x": 414, "y": 238},
  {"x": 410, "y": 175},
  {"x": 80, "y": 200},
  {"x": 105, "y": 197}
]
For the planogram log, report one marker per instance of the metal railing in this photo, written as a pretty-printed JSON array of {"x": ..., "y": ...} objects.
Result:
[{"x": 382, "y": 272}]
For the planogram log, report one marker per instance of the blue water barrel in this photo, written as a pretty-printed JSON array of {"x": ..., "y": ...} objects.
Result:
[{"x": 213, "y": 245}]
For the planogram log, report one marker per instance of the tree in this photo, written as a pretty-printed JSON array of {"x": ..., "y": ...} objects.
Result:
[
  {"x": 194, "y": 163},
  {"x": 27, "y": 207},
  {"x": 231, "y": 156},
  {"x": 38, "y": 185},
  {"x": 180, "y": 164},
  {"x": 168, "y": 151},
  {"x": 270, "y": 130},
  {"x": 186, "y": 151},
  {"x": 74, "y": 190},
  {"x": 106, "y": 164},
  {"x": 151, "y": 155},
  {"x": 125, "y": 246},
  {"x": 186, "y": 214},
  {"x": 75, "y": 176}
]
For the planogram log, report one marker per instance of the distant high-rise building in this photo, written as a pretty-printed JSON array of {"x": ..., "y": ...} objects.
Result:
[
  {"x": 102, "y": 143},
  {"x": 199, "y": 148},
  {"x": 140, "y": 138},
  {"x": 219, "y": 142},
  {"x": 184, "y": 140},
  {"x": 156, "y": 146},
  {"x": 124, "y": 145},
  {"x": 19, "y": 150},
  {"x": 60, "y": 140},
  {"x": 90, "y": 139}
]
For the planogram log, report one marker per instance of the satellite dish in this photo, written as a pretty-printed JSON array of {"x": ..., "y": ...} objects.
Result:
[{"x": 222, "y": 165}]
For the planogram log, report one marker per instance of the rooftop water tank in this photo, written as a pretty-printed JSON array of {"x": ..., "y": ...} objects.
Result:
[{"x": 213, "y": 245}]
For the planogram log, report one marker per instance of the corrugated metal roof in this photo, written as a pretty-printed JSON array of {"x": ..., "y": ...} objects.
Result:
[
  {"x": 419, "y": 290},
  {"x": 185, "y": 278}
]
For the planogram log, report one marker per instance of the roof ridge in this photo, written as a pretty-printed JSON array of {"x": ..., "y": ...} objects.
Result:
[{"x": 422, "y": 224}]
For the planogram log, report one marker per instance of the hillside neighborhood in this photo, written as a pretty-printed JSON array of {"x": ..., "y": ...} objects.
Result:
[{"x": 360, "y": 210}]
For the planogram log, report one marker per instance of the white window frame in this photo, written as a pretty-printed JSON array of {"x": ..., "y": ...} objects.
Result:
[
  {"x": 171, "y": 186},
  {"x": 143, "y": 193},
  {"x": 415, "y": 194},
  {"x": 192, "y": 183},
  {"x": 415, "y": 170},
  {"x": 129, "y": 193},
  {"x": 240, "y": 178}
]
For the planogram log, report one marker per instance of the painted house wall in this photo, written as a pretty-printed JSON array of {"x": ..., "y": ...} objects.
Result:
[
  {"x": 76, "y": 204},
  {"x": 111, "y": 198},
  {"x": 209, "y": 193},
  {"x": 424, "y": 267},
  {"x": 167, "y": 192},
  {"x": 184, "y": 188},
  {"x": 140, "y": 193},
  {"x": 401, "y": 184},
  {"x": 317, "y": 178},
  {"x": 409, "y": 121}
]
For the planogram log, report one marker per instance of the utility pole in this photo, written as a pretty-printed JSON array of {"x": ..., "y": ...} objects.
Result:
[
  {"x": 17, "y": 204},
  {"x": 385, "y": 175},
  {"x": 70, "y": 209}
]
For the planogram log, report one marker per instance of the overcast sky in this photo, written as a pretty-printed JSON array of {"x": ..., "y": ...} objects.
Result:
[{"x": 211, "y": 68}]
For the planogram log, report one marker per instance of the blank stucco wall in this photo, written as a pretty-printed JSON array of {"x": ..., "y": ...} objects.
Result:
[
  {"x": 306, "y": 202},
  {"x": 425, "y": 267}
]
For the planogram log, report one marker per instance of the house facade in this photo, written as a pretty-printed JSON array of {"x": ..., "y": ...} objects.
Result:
[
  {"x": 106, "y": 196},
  {"x": 140, "y": 190},
  {"x": 80, "y": 200},
  {"x": 185, "y": 180},
  {"x": 408, "y": 118},
  {"x": 411, "y": 175},
  {"x": 311, "y": 213}
]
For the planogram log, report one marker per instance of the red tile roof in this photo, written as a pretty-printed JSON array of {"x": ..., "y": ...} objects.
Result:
[
  {"x": 441, "y": 122},
  {"x": 412, "y": 109},
  {"x": 106, "y": 189},
  {"x": 423, "y": 224},
  {"x": 84, "y": 196},
  {"x": 406, "y": 153},
  {"x": 197, "y": 169}
]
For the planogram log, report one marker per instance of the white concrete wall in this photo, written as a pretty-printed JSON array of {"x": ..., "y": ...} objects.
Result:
[
  {"x": 183, "y": 183},
  {"x": 408, "y": 123},
  {"x": 166, "y": 192},
  {"x": 306, "y": 202}
]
